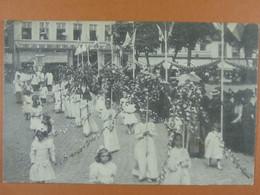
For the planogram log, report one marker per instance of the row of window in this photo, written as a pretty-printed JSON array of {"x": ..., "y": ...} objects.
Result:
[{"x": 61, "y": 31}]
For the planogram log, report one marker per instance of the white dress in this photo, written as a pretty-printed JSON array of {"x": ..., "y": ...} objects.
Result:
[
  {"x": 41, "y": 153},
  {"x": 77, "y": 111},
  {"x": 102, "y": 173},
  {"x": 129, "y": 115},
  {"x": 57, "y": 96},
  {"x": 111, "y": 142},
  {"x": 214, "y": 145},
  {"x": 43, "y": 92},
  {"x": 36, "y": 117},
  {"x": 176, "y": 173},
  {"x": 145, "y": 164},
  {"x": 100, "y": 103},
  {"x": 88, "y": 120},
  {"x": 27, "y": 104}
]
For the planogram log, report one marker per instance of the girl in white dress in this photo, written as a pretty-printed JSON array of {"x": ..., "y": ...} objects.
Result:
[
  {"x": 177, "y": 170},
  {"x": 145, "y": 165},
  {"x": 57, "y": 96},
  {"x": 214, "y": 146},
  {"x": 129, "y": 115},
  {"x": 36, "y": 113},
  {"x": 100, "y": 102},
  {"x": 42, "y": 151},
  {"x": 76, "y": 107},
  {"x": 88, "y": 121},
  {"x": 110, "y": 134},
  {"x": 27, "y": 104},
  {"x": 43, "y": 93},
  {"x": 103, "y": 170}
]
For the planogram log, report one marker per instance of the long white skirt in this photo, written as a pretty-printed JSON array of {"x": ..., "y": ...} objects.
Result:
[
  {"x": 111, "y": 142},
  {"x": 145, "y": 165}
]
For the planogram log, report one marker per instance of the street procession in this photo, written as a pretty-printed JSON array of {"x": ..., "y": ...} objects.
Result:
[{"x": 139, "y": 103}]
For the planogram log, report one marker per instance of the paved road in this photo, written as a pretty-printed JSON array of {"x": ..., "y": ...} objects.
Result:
[{"x": 17, "y": 142}]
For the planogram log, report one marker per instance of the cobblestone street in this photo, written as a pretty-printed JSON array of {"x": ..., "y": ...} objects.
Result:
[{"x": 18, "y": 139}]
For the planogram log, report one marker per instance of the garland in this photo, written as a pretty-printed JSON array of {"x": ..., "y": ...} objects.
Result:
[
  {"x": 197, "y": 68},
  {"x": 240, "y": 66},
  {"x": 235, "y": 161},
  {"x": 87, "y": 143}
]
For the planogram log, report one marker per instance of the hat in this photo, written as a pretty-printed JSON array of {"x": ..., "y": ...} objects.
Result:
[
  {"x": 101, "y": 147},
  {"x": 41, "y": 128},
  {"x": 215, "y": 92}
]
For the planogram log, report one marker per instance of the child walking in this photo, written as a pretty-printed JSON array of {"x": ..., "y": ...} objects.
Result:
[
  {"x": 42, "y": 150},
  {"x": 145, "y": 159},
  {"x": 103, "y": 170},
  {"x": 179, "y": 163},
  {"x": 214, "y": 146}
]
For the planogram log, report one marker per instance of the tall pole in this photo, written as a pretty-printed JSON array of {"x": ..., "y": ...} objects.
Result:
[
  {"x": 97, "y": 57},
  {"x": 88, "y": 53},
  {"x": 112, "y": 52},
  {"x": 82, "y": 58},
  {"x": 222, "y": 78},
  {"x": 133, "y": 38},
  {"x": 165, "y": 52}
]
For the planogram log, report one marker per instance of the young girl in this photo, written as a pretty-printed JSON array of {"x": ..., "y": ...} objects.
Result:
[
  {"x": 43, "y": 93},
  {"x": 178, "y": 165},
  {"x": 145, "y": 165},
  {"x": 129, "y": 116},
  {"x": 103, "y": 170},
  {"x": 214, "y": 146},
  {"x": 36, "y": 113},
  {"x": 48, "y": 125},
  {"x": 57, "y": 96},
  {"x": 110, "y": 134},
  {"x": 100, "y": 102},
  {"x": 76, "y": 107},
  {"x": 88, "y": 121},
  {"x": 27, "y": 104},
  {"x": 42, "y": 150}
]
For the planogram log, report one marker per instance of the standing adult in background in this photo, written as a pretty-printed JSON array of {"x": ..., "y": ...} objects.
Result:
[
  {"x": 18, "y": 89},
  {"x": 49, "y": 80},
  {"x": 35, "y": 82},
  {"x": 248, "y": 120},
  {"x": 237, "y": 131}
]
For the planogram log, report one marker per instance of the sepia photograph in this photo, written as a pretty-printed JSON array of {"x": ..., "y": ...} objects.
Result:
[{"x": 129, "y": 102}]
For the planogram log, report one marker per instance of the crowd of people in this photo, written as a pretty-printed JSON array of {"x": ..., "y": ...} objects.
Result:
[{"x": 34, "y": 91}]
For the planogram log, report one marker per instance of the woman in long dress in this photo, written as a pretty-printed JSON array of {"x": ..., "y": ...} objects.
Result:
[
  {"x": 110, "y": 134},
  {"x": 145, "y": 165}
]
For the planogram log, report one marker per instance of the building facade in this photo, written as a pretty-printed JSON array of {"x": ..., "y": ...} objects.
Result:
[
  {"x": 41, "y": 43},
  {"x": 54, "y": 42}
]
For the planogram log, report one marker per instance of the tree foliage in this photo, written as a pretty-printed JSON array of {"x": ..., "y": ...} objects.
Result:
[
  {"x": 146, "y": 39},
  {"x": 185, "y": 34}
]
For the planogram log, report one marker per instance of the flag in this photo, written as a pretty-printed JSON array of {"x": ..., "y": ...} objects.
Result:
[
  {"x": 132, "y": 41},
  {"x": 161, "y": 37},
  {"x": 217, "y": 26},
  {"x": 97, "y": 34},
  {"x": 170, "y": 30},
  {"x": 78, "y": 50},
  {"x": 236, "y": 29},
  {"x": 127, "y": 40},
  {"x": 83, "y": 48}
]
